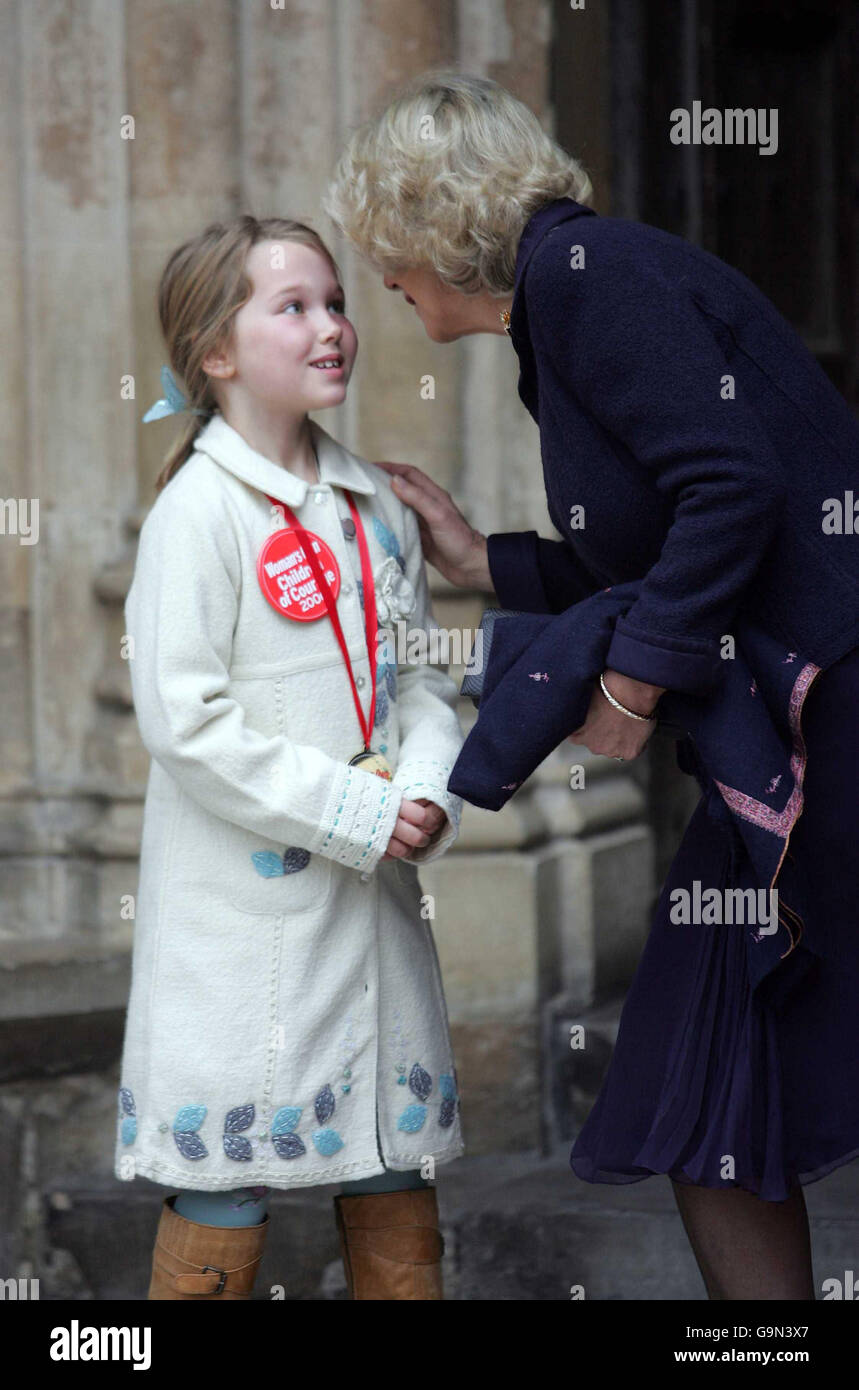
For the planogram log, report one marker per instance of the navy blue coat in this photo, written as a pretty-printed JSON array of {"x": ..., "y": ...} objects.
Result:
[
  {"x": 712, "y": 502},
  {"x": 703, "y": 517}
]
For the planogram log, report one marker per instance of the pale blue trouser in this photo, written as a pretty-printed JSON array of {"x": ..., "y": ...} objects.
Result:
[{"x": 248, "y": 1206}]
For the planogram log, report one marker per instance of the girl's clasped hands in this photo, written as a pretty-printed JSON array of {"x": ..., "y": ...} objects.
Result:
[{"x": 416, "y": 823}]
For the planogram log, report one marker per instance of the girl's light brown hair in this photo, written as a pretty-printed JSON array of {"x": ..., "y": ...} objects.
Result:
[{"x": 202, "y": 287}]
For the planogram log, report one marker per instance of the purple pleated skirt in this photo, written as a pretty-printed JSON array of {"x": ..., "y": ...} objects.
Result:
[{"x": 715, "y": 1084}]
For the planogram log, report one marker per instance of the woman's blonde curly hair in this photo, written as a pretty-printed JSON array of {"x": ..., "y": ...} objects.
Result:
[{"x": 445, "y": 177}]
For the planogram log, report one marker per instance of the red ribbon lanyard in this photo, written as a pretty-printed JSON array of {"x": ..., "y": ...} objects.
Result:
[{"x": 331, "y": 605}]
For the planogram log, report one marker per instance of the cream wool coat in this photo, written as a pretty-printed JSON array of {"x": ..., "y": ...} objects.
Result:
[{"x": 286, "y": 994}]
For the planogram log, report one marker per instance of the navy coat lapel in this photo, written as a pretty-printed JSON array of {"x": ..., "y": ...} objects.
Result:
[{"x": 540, "y": 225}]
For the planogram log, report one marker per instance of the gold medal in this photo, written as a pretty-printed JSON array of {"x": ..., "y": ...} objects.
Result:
[{"x": 371, "y": 761}]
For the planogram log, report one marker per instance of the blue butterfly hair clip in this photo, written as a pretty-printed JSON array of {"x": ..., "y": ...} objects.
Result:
[{"x": 172, "y": 402}]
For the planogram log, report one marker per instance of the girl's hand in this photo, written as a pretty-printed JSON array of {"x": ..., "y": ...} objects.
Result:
[
  {"x": 416, "y": 823},
  {"x": 607, "y": 730},
  {"x": 447, "y": 540},
  {"x": 436, "y": 817}
]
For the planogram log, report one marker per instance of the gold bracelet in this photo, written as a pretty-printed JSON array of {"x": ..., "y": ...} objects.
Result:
[{"x": 648, "y": 718}]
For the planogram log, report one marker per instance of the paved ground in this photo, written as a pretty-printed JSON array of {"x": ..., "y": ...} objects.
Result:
[{"x": 517, "y": 1227}]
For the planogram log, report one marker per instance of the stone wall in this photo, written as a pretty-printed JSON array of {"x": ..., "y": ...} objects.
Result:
[{"x": 243, "y": 107}]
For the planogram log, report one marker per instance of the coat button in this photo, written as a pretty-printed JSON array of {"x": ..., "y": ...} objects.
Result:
[
  {"x": 359, "y": 681},
  {"x": 347, "y": 589},
  {"x": 319, "y": 497},
  {"x": 348, "y": 527}
]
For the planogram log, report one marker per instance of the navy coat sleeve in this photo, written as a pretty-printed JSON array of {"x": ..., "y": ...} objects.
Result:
[
  {"x": 640, "y": 356},
  {"x": 536, "y": 575}
]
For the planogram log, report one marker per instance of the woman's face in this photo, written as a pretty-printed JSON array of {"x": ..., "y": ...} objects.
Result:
[
  {"x": 296, "y": 314},
  {"x": 446, "y": 314}
]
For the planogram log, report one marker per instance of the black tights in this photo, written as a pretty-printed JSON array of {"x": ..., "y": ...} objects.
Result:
[{"x": 747, "y": 1248}]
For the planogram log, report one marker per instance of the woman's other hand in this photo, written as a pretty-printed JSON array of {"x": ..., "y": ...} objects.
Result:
[
  {"x": 608, "y": 730},
  {"x": 448, "y": 541}
]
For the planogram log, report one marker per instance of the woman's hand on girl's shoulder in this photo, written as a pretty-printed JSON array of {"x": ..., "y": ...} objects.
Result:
[{"x": 448, "y": 541}]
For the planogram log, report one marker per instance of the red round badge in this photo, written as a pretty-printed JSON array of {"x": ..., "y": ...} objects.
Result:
[{"x": 286, "y": 577}]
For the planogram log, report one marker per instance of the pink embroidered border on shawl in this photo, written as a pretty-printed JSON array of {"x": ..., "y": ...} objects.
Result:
[
  {"x": 782, "y": 822},
  {"x": 779, "y": 822}
]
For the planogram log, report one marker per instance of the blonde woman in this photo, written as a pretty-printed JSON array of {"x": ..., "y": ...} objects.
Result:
[{"x": 680, "y": 410}]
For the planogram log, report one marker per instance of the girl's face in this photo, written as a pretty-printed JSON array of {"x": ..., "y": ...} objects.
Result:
[{"x": 296, "y": 316}]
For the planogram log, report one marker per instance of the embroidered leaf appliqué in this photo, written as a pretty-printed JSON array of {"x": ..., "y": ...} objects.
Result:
[
  {"x": 420, "y": 1081},
  {"x": 239, "y": 1118},
  {"x": 286, "y": 1119},
  {"x": 190, "y": 1145},
  {"x": 324, "y": 1104},
  {"x": 237, "y": 1146},
  {"x": 386, "y": 685},
  {"x": 128, "y": 1128},
  {"x": 447, "y": 1086},
  {"x": 446, "y": 1113},
  {"x": 412, "y": 1118},
  {"x": 381, "y": 706},
  {"x": 267, "y": 863},
  {"x": 288, "y": 1145},
  {"x": 327, "y": 1141},
  {"x": 387, "y": 539},
  {"x": 190, "y": 1117},
  {"x": 272, "y": 865}
]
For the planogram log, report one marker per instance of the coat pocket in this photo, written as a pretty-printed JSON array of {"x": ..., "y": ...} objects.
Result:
[{"x": 265, "y": 878}]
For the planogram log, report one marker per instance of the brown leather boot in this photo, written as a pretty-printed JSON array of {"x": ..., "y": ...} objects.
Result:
[
  {"x": 391, "y": 1244},
  {"x": 192, "y": 1260}
]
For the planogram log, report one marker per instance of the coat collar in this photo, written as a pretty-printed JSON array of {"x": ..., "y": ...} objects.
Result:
[
  {"x": 536, "y": 228},
  {"x": 337, "y": 466}
]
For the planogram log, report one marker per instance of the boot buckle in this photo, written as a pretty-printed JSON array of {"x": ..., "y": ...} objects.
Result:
[{"x": 214, "y": 1270}]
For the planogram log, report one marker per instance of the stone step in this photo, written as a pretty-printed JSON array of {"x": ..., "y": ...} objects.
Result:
[{"x": 517, "y": 1227}]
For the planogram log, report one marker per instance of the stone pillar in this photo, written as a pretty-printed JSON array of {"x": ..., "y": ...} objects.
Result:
[{"x": 69, "y": 447}]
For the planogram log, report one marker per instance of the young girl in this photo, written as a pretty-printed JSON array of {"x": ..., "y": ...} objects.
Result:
[{"x": 286, "y": 1024}]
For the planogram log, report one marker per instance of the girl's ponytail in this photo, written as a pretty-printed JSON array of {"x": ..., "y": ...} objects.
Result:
[
  {"x": 178, "y": 453},
  {"x": 202, "y": 287}
]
